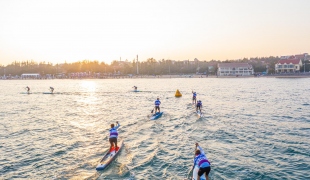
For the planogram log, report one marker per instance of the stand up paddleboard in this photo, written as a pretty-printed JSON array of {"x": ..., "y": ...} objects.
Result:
[
  {"x": 199, "y": 114},
  {"x": 109, "y": 157},
  {"x": 195, "y": 174},
  {"x": 26, "y": 93},
  {"x": 47, "y": 93},
  {"x": 156, "y": 115}
]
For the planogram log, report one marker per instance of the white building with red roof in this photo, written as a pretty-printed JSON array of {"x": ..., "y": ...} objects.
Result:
[
  {"x": 288, "y": 65},
  {"x": 235, "y": 69}
]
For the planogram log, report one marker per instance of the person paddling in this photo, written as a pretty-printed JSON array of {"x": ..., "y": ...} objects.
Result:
[
  {"x": 198, "y": 105},
  {"x": 202, "y": 162},
  {"x": 136, "y": 88},
  {"x": 113, "y": 136},
  {"x": 157, "y": 103},
  {"x": 194, "y": 97},
  {"x": 51, "y": 89},
  {"x": 28, "y": 89}
]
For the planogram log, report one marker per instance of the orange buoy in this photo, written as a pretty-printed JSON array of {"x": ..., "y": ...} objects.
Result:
[{"x": 178, "y": 94}]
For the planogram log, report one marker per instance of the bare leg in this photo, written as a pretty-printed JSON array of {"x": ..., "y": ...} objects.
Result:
[
  {"x": 115, "y": 144},
  {"x": 207, "y": 177},
  {"x": 111, "y": 144}
]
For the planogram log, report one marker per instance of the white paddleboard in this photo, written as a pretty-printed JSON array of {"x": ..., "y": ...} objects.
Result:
[
  {"x": 195, "y": 174},
  {"x": 199, "y": 114},
  {"x": 109, "y": 157}
]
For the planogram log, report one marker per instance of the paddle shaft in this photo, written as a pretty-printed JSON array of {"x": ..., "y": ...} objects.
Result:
[{"x": 194, "y": 162}]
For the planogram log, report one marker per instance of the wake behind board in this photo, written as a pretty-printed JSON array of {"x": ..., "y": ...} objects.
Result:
[
  {"x": 109, "y": 157},
  {"x": 195, "y": 174},
  {"x": 156, "y": 115}
]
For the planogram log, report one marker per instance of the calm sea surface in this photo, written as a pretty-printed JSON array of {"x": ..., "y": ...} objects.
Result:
[{"x": 253, "y": 128}]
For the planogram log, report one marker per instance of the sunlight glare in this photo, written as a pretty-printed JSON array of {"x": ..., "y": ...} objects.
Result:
[{"x": 88, "y": 86}]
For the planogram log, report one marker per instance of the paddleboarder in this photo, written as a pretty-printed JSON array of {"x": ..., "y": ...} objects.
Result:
[
  {"x": 51, "y": 89},
  {"x": 157, "y": 103},
  {"x": 198, "y": 105},
  {"x": 113, "y": 136},
  {"x": 28, "y": 89},
  {"x": 136, "y": 88},
  {"x": 202, "y": 161},
  {"x": 194, "y": 96}
]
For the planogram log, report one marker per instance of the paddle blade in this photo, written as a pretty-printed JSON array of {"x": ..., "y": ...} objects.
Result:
[{"x": 152, "y": 111}]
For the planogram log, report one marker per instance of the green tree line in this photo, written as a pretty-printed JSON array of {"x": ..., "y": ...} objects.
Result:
[{"x": 149, "y": 67}]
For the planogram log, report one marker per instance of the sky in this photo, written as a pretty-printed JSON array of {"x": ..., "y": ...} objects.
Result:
[{"x": 59, "y": 31}]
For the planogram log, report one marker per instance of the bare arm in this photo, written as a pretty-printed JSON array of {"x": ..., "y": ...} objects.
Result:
[
  {"x": 117, "y": 126},
  {"x": 201, "y": 150}
]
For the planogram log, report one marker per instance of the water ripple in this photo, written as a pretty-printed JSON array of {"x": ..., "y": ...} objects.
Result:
[{"x": 251, "y": 129}]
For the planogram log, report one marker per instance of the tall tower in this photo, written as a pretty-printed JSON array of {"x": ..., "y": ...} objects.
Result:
[{"x": 137, "y": 65}]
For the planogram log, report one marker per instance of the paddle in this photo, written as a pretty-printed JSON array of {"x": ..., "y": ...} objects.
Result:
[
  {"x": 152, "y": 111},
  {"x": 188, "y": 175},
  {"x": 193, "y": 96},
  {"x": 194, "y": 162}
]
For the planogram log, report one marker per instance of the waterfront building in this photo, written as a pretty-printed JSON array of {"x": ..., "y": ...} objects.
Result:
[
  {"x": 30, "y": 76},
  {"x": 235, "y": 69},
  {"x": 291, "y": 63},
  {"x": 288, "y": 65}
]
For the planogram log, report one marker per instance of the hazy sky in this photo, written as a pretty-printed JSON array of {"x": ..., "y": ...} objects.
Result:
[{"x": 61, "y": 30}]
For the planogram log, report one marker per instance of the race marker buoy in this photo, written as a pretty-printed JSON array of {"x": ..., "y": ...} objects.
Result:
[{"x": 178, "y": 94}]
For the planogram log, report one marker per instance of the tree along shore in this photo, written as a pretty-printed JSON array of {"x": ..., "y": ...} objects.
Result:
[{"x": 126, "y": 68}]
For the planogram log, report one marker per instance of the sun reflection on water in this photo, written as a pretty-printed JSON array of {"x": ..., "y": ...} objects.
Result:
[
  {"x": 88, "y": 100},
  {"x": 88, "y": 86}
]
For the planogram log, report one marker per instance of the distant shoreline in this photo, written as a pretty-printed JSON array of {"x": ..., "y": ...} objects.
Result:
[{"x": 166, "y": 77}]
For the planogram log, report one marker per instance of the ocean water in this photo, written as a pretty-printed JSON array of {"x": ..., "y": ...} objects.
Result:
[{"x": 253, "y": 128}]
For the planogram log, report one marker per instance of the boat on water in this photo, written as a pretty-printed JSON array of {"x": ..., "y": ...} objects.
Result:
[
  {"x": 109, "y": 157},
  {"x": 156, "y": 115}
]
